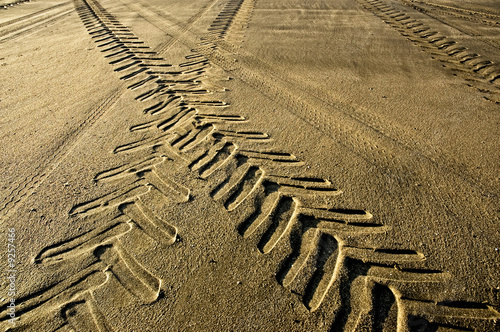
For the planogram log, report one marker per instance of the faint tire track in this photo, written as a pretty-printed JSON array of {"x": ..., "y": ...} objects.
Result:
[
  {"x": 479, "y": 72},
  {"x": 38, "y": 13},
  {"x": 33, "y": 22},
  {"x": 183, "y": 27},
  {"x": 7, "y": 5},
  {"x": 379, "y": 139},
  {"x": 449, "y": 15},
  {"x": 476, "y": 16},
  {"x": 190, "y": 128},
  {"x": 26, "y": 187}
]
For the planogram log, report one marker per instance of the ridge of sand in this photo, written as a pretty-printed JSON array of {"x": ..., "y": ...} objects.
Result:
[{"x": 251, "y": 165}]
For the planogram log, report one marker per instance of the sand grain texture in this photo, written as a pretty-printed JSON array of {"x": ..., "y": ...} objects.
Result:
[{"x": 251, "y": 165}]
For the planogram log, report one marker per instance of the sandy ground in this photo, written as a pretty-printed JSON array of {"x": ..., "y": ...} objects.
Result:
[{"x": 250, "y": 165}]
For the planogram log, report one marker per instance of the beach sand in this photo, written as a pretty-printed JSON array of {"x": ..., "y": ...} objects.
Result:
[{"x": 250, "y": 165}]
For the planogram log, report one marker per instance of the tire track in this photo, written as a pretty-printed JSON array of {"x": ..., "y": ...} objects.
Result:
[
  {"x": 183, "y": 27},
  {"x": 231, "y": 23},
  {"x": 38, "y": 13},
  {"x": 376, "y": 137},
  {"x": 28, "y": 186},
  {"x": 102, "y": 258},
  {"x": 189, "y": 127},
  {"x": 13, "y": 3},
  {"x": 32, "y": 22},
  {"x": 443, "y": 13},
  {"x": 475, "y": 16},
  {"x": 245, "y": 178},
  {"x": 479, "y": 72}
]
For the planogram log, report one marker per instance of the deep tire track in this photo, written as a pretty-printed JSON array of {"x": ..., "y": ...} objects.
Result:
[{"x": 191, "y": 128}]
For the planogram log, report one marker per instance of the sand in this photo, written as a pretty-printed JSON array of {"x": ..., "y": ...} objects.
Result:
[{"x": 250, "y": 165}]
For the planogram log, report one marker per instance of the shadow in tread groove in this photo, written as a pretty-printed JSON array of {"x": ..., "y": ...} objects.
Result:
[{"x": 246, "y": 182}]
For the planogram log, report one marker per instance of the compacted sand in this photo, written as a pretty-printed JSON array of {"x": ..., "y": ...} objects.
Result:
[{"x": 250, "y": 165}]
